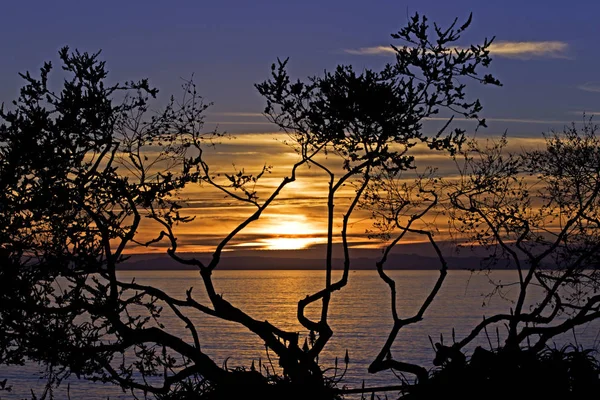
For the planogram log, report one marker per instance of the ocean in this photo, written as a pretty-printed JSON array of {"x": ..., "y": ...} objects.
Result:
[{"x": 359, "y": 316}]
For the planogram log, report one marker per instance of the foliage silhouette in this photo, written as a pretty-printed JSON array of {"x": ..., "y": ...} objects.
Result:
[
  {"x": 369, "y": 122},
  {"x": 566, "y": 373},
  {"x": 82, "y": 169},
  {"x": 535, "y": 211},
  {"x": 538, "y": 212}
]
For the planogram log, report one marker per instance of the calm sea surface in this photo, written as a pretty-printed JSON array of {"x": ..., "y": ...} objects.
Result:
[{"x": 359, "y": 316}]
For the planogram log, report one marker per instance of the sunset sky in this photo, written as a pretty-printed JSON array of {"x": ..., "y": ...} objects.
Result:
[{"x": 545, "y": 54}]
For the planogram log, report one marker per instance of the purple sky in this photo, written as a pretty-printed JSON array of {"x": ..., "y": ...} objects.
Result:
[
  {"x": 229, "y": 46},
  {"x": 546, "y": 56}
]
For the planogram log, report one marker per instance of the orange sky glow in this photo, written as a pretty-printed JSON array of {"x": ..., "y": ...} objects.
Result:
[{"x": 297, "y": 218}]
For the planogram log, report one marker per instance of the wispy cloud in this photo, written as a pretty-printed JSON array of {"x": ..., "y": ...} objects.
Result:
[
  {"x": 523, "y": 50},
  {"x": 509, "y": 120},
  {"x": 488, "y": 119},
  {"x": 233, "y": 118},
  {"x": 587, "y": 113},
  {"x": 552, "y": 49},
  {"x": 238, "y": 114},
  {"x": 240, "y": 123},
  {"x": 371, "y": 51},
  {"x": 527, "y": 121},
  {"x": 593, "y": 86}
]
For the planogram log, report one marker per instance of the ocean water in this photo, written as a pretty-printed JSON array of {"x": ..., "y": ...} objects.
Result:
[{"x": 359, "y": 316}]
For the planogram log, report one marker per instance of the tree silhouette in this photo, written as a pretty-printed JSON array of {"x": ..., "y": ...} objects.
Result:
[
  {"x": 83, "y": 168},
  {"x": 370, "y": 122},
  {"x": 534, "y": 211},
  {"x": 538, "y": 212}
]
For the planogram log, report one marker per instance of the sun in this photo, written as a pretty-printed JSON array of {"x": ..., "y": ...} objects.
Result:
[
  {"x": 291, "y": 235},
  {"x": 293, "y": 227},
  {"x": 287, "y": 233}
]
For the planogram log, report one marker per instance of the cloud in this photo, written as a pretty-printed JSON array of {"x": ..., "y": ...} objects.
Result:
[
  {"x": 523, "y": 50},
  {"x": 298, "y": 218},
  {"x": 238, "y": 114},
  {"x": 371, "y": 51},
  {"x": 509, "y": 120},
  {"x": 587, "y": 113},
  {"x": 593, "y": 86},
  {"x": 552, "y": 49},
  {"x": 233, "y": 119},
  {"x": 265, "y": 123}
]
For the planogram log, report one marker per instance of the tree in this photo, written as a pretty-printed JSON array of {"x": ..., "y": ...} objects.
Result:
[
  {"x": 370, "y": 122},
  {"x": 83, "y": 168},
  {"x": 77, "y": 180},
  {"x": 537, "y": 212}
]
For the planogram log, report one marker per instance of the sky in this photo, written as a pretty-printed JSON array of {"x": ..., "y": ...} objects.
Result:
[{"x": 545, "y": 53}]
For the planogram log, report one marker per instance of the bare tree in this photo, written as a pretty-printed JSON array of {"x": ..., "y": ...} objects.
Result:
[
  {"x": 399, "y": 207},
  {"x": 536, "y": 211}
]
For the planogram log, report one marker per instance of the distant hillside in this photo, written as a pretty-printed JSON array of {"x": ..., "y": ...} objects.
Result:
[
  {"x": 284, "y": 261},
  {"x": 414, "y": 257}
]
